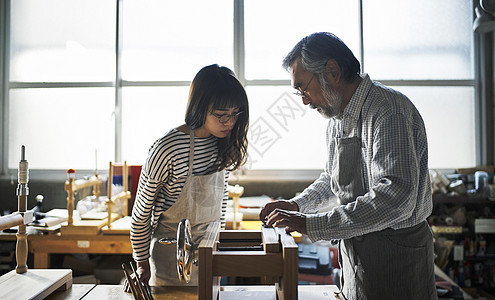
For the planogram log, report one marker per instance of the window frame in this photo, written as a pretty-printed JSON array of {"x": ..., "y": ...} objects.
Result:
[{"x": 483, "y": 136}]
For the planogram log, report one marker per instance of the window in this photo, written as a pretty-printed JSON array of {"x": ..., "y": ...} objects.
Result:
[
  {"x": 100, "y": 80},
  {"x": 425, "y": 50},
  {"x": 61, "y": 99}
]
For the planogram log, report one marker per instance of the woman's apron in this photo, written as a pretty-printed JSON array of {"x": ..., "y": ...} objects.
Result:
[
  {"x": 389, "y": 264},
  {"x": 200, "y": 201}
]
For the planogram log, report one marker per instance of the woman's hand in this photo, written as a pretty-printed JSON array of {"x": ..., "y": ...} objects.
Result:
[{"x": 144, "y": 272}]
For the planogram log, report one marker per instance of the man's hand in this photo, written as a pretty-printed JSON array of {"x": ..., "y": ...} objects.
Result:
[
  {"x": 144, "y": 272},
  {"x": 292, "y": 220},
  {"x": 281, "y": 204}
]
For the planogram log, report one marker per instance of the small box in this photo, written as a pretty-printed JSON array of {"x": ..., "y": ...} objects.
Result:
[
  {"x": 484, "y": 226},
  {"x": 458, "y": 252}
]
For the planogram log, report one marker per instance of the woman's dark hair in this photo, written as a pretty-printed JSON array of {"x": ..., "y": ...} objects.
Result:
[
  {"x": 213, "y": 88},
  {"x": 317, "y": 48}
]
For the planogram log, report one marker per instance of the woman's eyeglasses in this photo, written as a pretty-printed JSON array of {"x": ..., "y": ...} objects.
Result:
[{"x": 224, "y": 118}]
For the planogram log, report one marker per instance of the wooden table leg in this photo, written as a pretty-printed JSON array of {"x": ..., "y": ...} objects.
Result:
[{"x": 41, "y": 260}]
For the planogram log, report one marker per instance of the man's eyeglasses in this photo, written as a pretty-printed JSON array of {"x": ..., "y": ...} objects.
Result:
[
  {"x": 302, "y": 93},
  {"x": 224, "y": 118}
]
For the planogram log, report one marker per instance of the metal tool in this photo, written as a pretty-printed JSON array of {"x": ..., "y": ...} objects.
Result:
[
  {"x": 131, "y": 283},
  {"x": 186, "y": 250},
  {"x": 140, "y": 290},
  {"x": 143, "y": 288}
]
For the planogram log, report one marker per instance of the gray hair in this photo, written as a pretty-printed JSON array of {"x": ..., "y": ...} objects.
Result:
[{"x": 316, "y": 49}]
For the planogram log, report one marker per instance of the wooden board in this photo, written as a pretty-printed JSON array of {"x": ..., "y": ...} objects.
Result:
[
  {"x": 121, "y": 226},
  {"x": 44, "y": 245},
  {"x": 108, "y": 292},
  {"x": 86, "y": 226},
  {"x": 97, "y": 292},
  {"x": 102, "y": 244},
  {"x": 306, "y": 292},
  {"x": 257, "y": 292},
  {"x": 257, "y": 225},
  {"x": 247, "y": 263},
  {"x": 34, "y": 284},
  {"x": 240, "y": 234},
  {"x": 270, "y": 240},
  {"x": 76, "y": 292},
  {"x": 209, "y": 285},
  {"x": 287, "y": 287},
  {"x": 158, "y": 292}
]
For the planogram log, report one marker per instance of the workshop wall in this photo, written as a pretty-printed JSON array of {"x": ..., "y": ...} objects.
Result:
[{"x": 52, "y": 191}]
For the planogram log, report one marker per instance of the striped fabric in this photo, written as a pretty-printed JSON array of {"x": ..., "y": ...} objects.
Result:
[
  {"x": 162, "y": 178},
  {"x": 394, "y": 166}
]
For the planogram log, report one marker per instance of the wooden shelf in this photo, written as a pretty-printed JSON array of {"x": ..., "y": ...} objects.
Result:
[
  {"x": 436, "y": 229},
  {"x": 460, "y": 199}
]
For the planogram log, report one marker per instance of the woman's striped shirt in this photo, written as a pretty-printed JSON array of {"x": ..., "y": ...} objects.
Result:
[{"x": 162, "y": 179}]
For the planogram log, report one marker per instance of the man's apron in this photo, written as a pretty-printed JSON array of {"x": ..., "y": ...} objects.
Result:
[
  {"x": 389, "y": 264},
  {"x": 200, "y": 201}
]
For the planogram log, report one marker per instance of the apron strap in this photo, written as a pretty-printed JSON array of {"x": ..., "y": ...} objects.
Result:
[{"x": 191, "y": 152}]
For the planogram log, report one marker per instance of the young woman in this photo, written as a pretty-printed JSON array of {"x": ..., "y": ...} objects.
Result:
[{"x": 185, "y": 174}]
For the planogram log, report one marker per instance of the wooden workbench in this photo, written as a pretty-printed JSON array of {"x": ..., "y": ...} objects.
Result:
[
  {"x": 90, "y": 291},
  {"x": 43, "y": 245}
]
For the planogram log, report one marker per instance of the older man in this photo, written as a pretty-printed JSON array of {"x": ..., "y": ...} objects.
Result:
[{"x": 377, "y": 173}]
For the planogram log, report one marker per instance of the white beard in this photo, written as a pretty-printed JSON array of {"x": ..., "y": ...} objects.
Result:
[{"x": 333, "y": 103}]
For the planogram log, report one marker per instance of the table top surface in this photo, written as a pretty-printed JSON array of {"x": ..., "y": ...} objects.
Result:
[
  {"x": 91, "y": 291},
  {"x": 34, "y": 235}
]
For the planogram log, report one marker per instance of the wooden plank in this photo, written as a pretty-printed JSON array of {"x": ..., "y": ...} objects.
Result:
[
  {"x": 76, "y": 292},
  {"x": 107, "y": 244},
  {"x": 43, "y": 245},
  {"x": 270, "y": 240},
  {"x": 286, "y": 239},
  {"x": 211, "y": 236},
  {"x": 11, "y": 221},
  {"x": 240, "y": 235},
  {"x": 205, "y": 276},
  {"x": 108, "y": 292},
  {"x": 84, "y": 183},
  {"x": 60, "y": 237},
  {"x": 208, "y": 285},
  {"x": 88, "y": 227},
  {"x": 290, "y": 274},
  {"x": 257, "y": 225},
  {"x": 97, "y": 292},
  {"x": 84, "y": 245},
  {"x": 41, "y": 260},
  {"x": 239, "y": 244},
  {"x": 239, "y": 238},
  {"x": 247, "y": 263},
  {"x": 174, "y": 292},
  {"x": 287, "y": 287},
  {"x": 248, "y": 293},
  {"x": 34, "y": 284},
  {"x": 313, "y": 292},
  {"x": 121, "y": 226}
]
